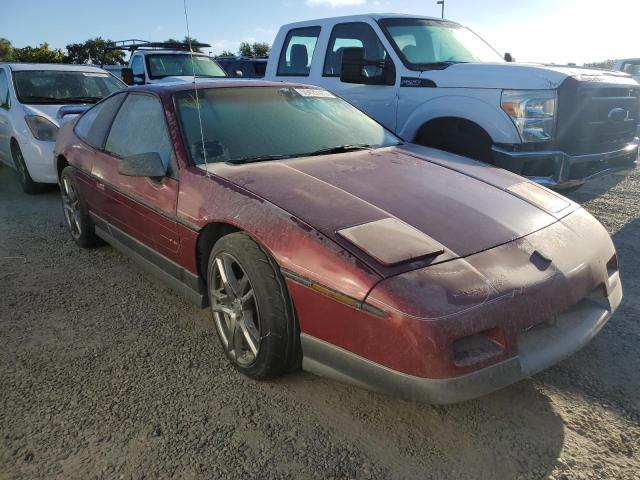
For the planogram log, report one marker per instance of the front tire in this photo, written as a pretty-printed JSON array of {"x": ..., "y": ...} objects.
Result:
[
  {"x": 75, "y": 211},
  {"x": 251, "y": 308},
  {"x": 28, "y": 185}
]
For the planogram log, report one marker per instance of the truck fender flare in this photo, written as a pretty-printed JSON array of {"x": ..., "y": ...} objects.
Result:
[{"x": 489, "y": 117}]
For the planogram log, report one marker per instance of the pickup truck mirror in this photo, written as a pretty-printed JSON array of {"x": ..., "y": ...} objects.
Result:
[
  {"x": 508, "y": 58},
  {"x": 142, "y": 165},
  {"x": 355, "y": 69},
  {"x": 127, "y": 76}
]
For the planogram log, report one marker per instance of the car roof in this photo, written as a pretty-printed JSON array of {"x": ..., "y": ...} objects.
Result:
[
  {"x": 360, "y": 18},
  {"x": 61, "y": 67}
]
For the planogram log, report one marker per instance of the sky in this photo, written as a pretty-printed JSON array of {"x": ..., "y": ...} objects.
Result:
[{"x": 550, "y": 31}]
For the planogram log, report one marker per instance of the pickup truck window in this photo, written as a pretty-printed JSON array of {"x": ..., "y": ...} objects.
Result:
[
  {"x": 137, "y": 67},
  {"x": 432, "y": 43},
  {"x": 346, "y": 35},
  {"x": 297, "y": 54},
  {"x": 267, "y": 123},
  {"x": 631, "y": 67},
  {"x": 161, "y": 65}
]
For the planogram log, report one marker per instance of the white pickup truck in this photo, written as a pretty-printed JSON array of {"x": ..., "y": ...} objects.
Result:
[
  {"x": 436, "y": 83},
  {"x": 162, "y": 62}
]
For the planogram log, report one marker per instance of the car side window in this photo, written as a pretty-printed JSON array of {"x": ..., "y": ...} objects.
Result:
[
  {"x": 297, "y": 54},
  {"x": 347, "y": 35},
  {"x": 4, "y": 90},
  {"x": 140, "y": 127},
  {"x": 93, "y": 125},
  {"x": 137, "y": 67}
]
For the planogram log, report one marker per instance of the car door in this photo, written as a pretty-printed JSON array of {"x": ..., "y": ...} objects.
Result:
[
  {"x": 5, "y": 123},
  {"x": 379, "y": 101},
  {"x": 142, "y": 209}
]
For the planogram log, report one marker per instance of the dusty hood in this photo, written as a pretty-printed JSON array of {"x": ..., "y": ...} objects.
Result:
[
  {"x": 519, "y": 76},
  {"x": 459, "y": 204}
]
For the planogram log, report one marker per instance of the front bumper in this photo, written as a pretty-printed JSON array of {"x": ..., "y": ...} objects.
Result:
[
  {"x": 38, "y": 156},
  {"x": 556, "y": 169},
  {"x": 538, "y": 348}
]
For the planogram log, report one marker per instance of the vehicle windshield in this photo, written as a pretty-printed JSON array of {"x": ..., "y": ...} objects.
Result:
[
  {"x": 180, "y": 64},
  {"x": 63, "y": 87},
  {"x": 423, "y": 42},
  {"x": 264, "y": 123}
]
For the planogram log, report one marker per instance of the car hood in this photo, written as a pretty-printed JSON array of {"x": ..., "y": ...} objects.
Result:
[
  {"x": 50, "y": 112},
  {"x": 460, "y": 204},
  {"x": 187, "y": 79},
  {"x": 518, "y": 76}
]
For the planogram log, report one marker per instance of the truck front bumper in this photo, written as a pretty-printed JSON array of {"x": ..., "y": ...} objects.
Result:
[
  {"x": 538, "y": 349},
  {"x": 561, "y": 170}
]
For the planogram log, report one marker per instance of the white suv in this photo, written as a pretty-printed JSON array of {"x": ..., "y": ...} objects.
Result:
[{"x": 34, "y": 100}]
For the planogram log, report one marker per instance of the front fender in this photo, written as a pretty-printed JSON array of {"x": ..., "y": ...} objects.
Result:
[{"x": 487, "y": 115}]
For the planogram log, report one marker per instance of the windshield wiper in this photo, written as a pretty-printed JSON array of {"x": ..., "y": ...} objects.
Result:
[
  {"x": 37, "y": 99},
  {"x": 258, "y": 158},
  {"x": 438, "y": 65},
  {"x": 80, "y": 99},
  {"x": 338, "y": 149}
]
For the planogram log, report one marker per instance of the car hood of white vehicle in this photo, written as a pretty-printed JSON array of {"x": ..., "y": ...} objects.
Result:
[
  {"x": 518, "y": 76},
  {"x": 50, "y": 112}
]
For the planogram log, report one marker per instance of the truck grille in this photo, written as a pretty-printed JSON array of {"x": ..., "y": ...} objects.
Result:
[{"x": 596, "y": 117}]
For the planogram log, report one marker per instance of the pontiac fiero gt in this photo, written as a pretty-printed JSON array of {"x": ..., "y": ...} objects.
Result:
[{"x": 318, "y": 238}]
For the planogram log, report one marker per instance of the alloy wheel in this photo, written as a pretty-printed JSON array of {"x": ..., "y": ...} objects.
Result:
[
  {"x": 71, "y": 205},
  {"x": 235, "y": 310}
]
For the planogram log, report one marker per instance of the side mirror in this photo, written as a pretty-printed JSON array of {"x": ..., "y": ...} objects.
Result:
[
  {"x": 508, "y": 58},
  {"x": 142, "y": 165},
  {"x": 355, "y": 69},
  {"x": 127, "y": 76}
]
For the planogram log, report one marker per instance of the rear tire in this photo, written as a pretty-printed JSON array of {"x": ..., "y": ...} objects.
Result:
[
  {"x": 251, "y": 308},
  {"x": 76, "y": 213},
  {"x": 28, "y": 185}
]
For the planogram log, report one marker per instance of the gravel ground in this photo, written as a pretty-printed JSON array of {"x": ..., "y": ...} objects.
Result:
[{"x": 106, "y": 373}]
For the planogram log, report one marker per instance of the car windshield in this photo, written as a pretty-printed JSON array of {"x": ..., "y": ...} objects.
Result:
[
  {"x": 423, "y": 42},
  {"x": 264, "y": 123},
  {"x": 181, "y": 64},
  {"x": 62, "y": 87}
]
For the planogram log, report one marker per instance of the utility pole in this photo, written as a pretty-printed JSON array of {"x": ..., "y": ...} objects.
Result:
[{"x": 441, "y": 2}]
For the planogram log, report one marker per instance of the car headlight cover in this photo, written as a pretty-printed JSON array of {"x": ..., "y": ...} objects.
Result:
[
  {"x": 540, "y": 197},
  {"x": 41, "y": 128},
  {"x": 533, "y": 112}
]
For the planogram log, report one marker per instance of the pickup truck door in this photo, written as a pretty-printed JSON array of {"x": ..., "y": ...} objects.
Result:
[
  {"x": 378, "y": 101},
  {"x": 141, "y": 208}
]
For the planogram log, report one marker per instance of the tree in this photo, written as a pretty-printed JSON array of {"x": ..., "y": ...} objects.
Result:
[
  {"x": 6, "y": 50},
  {"x": 185, "y": 40},
  {"x": 257, "y": 49},
  {"x": 227, "y": 53},
  {"x": 607, "y": 64},
  {"x": 261, "y": 49},
  {"x": 39, "y": 54},
  {"x": 93, "y": 51}
]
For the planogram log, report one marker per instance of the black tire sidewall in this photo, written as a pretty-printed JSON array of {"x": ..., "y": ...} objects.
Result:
[
  {"x": 28, "y": 185},
  {"x": 278, "y": 327}
]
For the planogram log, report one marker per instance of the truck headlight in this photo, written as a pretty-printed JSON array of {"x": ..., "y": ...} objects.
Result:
[
  {"x": 533, "y": 112},
  {"x": 41, "y": 128}
]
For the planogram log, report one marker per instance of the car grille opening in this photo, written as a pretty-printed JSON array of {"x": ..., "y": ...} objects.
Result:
[{"x": 477, "y": 348}]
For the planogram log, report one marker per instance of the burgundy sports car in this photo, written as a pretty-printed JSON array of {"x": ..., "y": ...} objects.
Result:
[{"x": 319, "y": 239}]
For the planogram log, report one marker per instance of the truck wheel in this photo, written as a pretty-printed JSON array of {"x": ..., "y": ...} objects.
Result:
[
  {"x": 251, "y": 308},
  {"x": 75, "y": 210},
  {"x": 28, "y": 185},
  {"x": 458, "y": 136}
]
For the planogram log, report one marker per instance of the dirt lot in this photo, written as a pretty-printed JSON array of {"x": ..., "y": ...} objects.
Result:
[{"x": 106, "y": 373}]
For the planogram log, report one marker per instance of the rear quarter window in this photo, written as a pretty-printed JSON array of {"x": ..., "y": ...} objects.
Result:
[{"x": 93, "y": 125}]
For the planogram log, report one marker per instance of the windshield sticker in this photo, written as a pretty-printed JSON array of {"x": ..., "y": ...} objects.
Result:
[
  {"x": 95, "y": 74},
  {"x": 314, "y": 92}
]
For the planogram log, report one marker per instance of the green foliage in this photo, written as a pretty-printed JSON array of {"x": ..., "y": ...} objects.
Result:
[
  {"x": 185, "y": 40},
  {"x": 5, "y": 50},
  {"x": 92, "y": 51},
  {"x": 227, "y": 53},
  {"x": 257, "y": 49},
  {"x": 607, "y": 64},
  {"x": 39, "y": 54}
]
